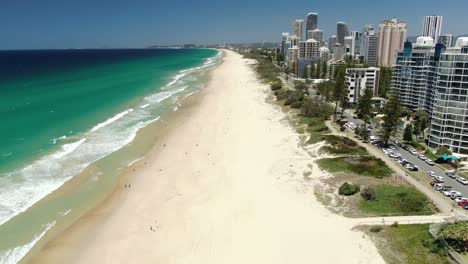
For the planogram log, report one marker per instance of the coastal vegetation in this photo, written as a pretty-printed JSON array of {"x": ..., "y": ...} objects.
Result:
[
  {"x": 412, "y": 244},
  {"x": 360, "y": 165},
  {"x": 348, "y": 189},
  {"x": 396, "y": 200},
  {"x": 456, "y": 235},
  {"x": 342, "y": 145}
]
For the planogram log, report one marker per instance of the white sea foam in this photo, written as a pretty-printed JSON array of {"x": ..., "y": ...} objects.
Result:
[
  {"x": 14, "y": 255},
  {"x": 133, "y": 162},
  {"x": 65, "y": 213},
  {"x": 111, "y": 120},
  {"x": 190, "y": 94},
  {"x": 176, "y": 79},
  {"x": 21, "y": 189},
  {"x": 68, "y": 148}
]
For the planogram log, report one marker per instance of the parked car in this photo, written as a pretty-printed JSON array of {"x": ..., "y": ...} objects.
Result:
[
  {"x": 430, "y": 162},
  {"x": 450, "y": 172},
  {"x": 461, "y": 199},
  {"x": 438, "y": 186},
  {"x": 462, "y": 181},
  {"x": 415, "y": 168},
  {"x": 462, "y": 203},
  {"x": 447, "y": 193},
  {"x": 465, "y": 207},
  {"x": 439, "y": 179},
  {"x": 455, "y": 194},
  {"x": 395, "y": 155},
  {"x": 431, "y": 173},
  {"x": 452, "y": 175},
  {"x": 422, "y": 157},
  {"x": 414, "y": 152}
]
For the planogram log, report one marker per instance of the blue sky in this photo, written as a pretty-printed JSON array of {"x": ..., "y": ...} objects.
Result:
[{"x": 33, "y": 24}]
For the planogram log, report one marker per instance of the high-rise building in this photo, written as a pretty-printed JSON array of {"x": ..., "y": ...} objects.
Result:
[
  {"x": 413, "y": 75},
  {"x": 309, "y": 49},
  {"x": 449, "y": 123},
  {"x": 331, "y": 42},
  {"x": 312, "y": 22},
  {"x": 341, "y": 32},
  {"x": 392, "y": 36},
  {"x": 369, "y": 45},
  {"x": 447, "y": 40},
  {"x": 324, "y": 53},
  {"x": 316, "y": 34},
  {"x": 332, "y": 65},
  {"x": 355, "y": 49},
  {"x": 432, "y": 27},
  {"x": 358, "y": 80},
  {"x": 298, "y": 28},
  {"x": 339, "y": 51},
  {"x": 348, "y": 44},
  {"x": 284, "y": 40}
]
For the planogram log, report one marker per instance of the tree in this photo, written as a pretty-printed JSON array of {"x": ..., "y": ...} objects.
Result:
[
  {"x": 364, "y": 106},
  {"x": 344, "y": 103},
  {"x": 456, "y": 235},
  {"x": 305, "y": 74},
  {"x": 339, "y": 89},
  {"x": 385, "y": 81},
  {"x": 317, "y": 71},
  {"x": 417, "y": 127},
  {"x": 312, "y": 71},
  {"x": 368, "y": 194},
  {"x": 408, "y": 134},
  {"x": 324, "y": 69},
  {"x": 348, "y": 189},
  {"x": 443, "y": 151},
  {"x": 391, "y": 117}
]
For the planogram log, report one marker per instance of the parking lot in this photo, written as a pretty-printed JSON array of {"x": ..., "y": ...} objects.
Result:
[
  {"x": 414, "y": 159},
  {"x": 424, "y": 168}
]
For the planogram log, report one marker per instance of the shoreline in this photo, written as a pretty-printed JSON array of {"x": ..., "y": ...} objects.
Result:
[
  {"x": 241, "y": 198},
  {"x": 150, "y": 133}
]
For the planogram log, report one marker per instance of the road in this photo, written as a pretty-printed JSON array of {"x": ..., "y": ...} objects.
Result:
[{"x": 423, "y": 166}]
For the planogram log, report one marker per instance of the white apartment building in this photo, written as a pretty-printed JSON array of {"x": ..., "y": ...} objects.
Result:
[{"x": 360, "y": 79}]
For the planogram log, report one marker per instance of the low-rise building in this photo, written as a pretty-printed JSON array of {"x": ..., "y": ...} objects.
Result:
[{"x": 358, "y": 80}]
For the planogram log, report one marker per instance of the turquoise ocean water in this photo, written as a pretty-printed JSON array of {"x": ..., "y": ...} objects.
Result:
[{"x": 60, "y": 111}]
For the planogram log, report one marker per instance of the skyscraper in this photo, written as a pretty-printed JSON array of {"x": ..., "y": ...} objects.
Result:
[
  {"x": 432, "y": 27},
  {"x": 412, "y": 74},
  {"x": 316, "y": 34},
  {"x": 447, "y": 40},
  {"x": 309, "y": 49},
  {"x": 449, "y": 123},
  {"x": 331, "y": 42},
  {"x": 312, "y": 21},
  {"x": 369, "y": 45},
  {"x": 392, "y": 36},
  {"x": 341, "y": 32},
  {"x": 298, "y": 25}
]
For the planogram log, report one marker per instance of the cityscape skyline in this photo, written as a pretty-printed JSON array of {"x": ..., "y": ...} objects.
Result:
[{"x": 54, "y": 24}]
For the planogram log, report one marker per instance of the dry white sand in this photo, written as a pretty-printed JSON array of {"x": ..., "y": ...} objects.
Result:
[{"x": 227, "y": 188}]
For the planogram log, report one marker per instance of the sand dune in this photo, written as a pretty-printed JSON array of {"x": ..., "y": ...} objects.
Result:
[{"x": 228, "y": 187}]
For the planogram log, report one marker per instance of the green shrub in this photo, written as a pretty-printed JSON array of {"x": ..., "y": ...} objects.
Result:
[
  {"x": 276, "y": 86},
  {"x": 348, "y": 189},
  {"x": 376, "y": 229},
  {"x": 368, "y": 194},
  {"x": 314, "y": 108},
  {"x": 283, "y": 94},
  {"x": 297, "y": 105},
  {"x": 395, "y": 224},
  {"x": 295, "y": 96}
]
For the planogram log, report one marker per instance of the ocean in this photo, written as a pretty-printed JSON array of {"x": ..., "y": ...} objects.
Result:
[{"x": 64, "y": 111}]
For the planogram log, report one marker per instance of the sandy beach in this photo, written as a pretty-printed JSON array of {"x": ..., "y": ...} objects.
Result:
[{"x": 225, "y": 184}]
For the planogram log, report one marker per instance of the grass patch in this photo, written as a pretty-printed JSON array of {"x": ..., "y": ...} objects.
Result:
[
  {"x": 342, "y": 145},
  {"x": 316, "y": 128},
  {"x": 396, "y": 200},
  {"x": 363, "y": 166},
  {"x": 412, "y": 244}
]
